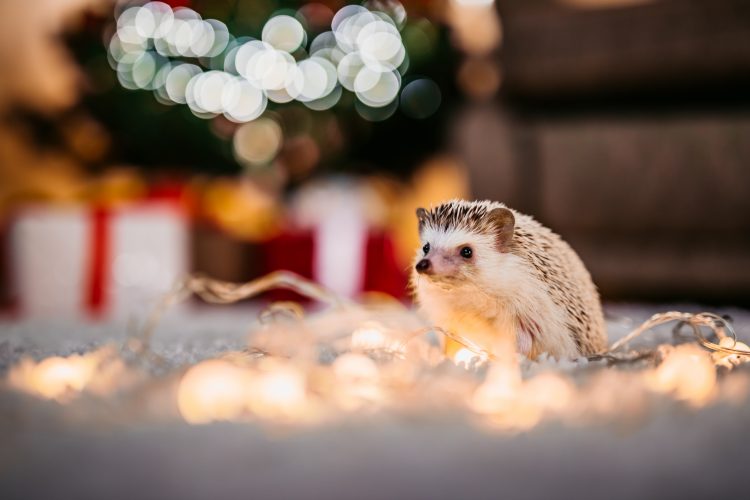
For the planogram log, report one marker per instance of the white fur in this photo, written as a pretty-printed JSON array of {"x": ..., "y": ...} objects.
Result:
[
  {"x": 450, "y": 239},
  {"x": 491, "y": 298}
]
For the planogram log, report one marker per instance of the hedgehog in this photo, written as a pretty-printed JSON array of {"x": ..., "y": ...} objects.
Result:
[{"x": 499, "y": 277}]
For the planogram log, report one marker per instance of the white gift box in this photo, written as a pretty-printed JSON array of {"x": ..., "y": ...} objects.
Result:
[{"x": 84, "y": 261}]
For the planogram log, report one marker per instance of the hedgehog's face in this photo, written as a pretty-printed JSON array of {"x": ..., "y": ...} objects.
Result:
[
  {"x": 455, "y": 253},
  {"x": 452, "y": 255}
]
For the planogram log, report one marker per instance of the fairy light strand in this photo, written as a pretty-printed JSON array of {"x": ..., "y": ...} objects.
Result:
[
  {"x": 718, "y": 325},
  {"x": 352, "y": 356},
  {"x": 363, "y": 52},
  {"x": 222, "y": 292}
]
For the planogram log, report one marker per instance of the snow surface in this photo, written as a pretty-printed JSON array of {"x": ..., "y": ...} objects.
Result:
[{"x": 46, "y": 453}]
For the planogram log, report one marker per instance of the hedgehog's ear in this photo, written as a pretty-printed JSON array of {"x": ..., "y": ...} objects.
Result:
[
  {"x": 504, "y": 222},
  {"x": 421, "y": 216}
]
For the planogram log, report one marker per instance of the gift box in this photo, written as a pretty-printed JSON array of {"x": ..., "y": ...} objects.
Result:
[
  {"x": 89, "y": 261},
  {"x": 370, "y": 267},
  {"x": 332, "y": 239}
]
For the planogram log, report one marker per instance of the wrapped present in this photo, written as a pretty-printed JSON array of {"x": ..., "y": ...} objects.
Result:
[
  {"x": 368, "y": 265},
  {"x": 92, "y": 261},
  {"x": 335, "y": 239}
]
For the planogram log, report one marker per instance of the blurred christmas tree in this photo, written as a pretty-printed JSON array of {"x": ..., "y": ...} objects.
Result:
[{"x": 159, "y": 137}]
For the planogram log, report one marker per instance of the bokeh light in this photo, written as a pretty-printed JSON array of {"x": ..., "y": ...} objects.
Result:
[
  {"x": 279, "y": 392},
  {"x": 375, "y": 114},
  {"x": 316, "y": 15},
  {"x": 348, "y": 69},
  {"x": 369, "y": 336},
  {"x": 284, "y": 33},
  {"x": 243, "y": 102},
  {"x": 476, "y": 25},
  {"x": 257, "y": 142},
  {"x": 317, "y": 78},
  {"x": 395, "y": 10},
  {"x": 363, "y": 53},
  {"x": 326, "y": 102},
  {"x": 177, "y": 81},
  {"x": 465, "y": 358},
  {"x": 154, "y": 20},
  {"x": 64, "y": 378},
  {"x": 420, "y": 98},
  {"x": 377, "y": 89},
  {"x": 479, "y": 78},
  {"x": 205, "y": 92},
  {"x": 687, "y": 372},
  {"x": 213, "y": 390}
]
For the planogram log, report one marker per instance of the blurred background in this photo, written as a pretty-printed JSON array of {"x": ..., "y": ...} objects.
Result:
[{"x": 140, "y": 142}]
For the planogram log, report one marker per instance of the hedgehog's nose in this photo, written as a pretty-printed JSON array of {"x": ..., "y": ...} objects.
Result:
[{"x": 423, "y": 266}]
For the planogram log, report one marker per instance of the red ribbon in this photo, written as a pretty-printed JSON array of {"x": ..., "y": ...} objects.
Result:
[{"x": 96, "y": 299}]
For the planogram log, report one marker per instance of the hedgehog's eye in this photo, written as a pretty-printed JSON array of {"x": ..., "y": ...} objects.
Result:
[
  {"x": 466, "y": 252},
  {"x": 426, "y": 248}
]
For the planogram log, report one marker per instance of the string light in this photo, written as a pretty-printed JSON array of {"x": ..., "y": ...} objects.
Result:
[
  {"x": 356, "y": 358},
  {"x": 364, "y": 53}
]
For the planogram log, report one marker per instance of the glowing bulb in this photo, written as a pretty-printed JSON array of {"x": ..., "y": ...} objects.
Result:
[
  {"x": 60, "y": 378},
  {"x": 279, "y": 392},
  {"x": 57, "y": 375},
  {"x": 465, "y": 357},
  {"x": 687, "y": 372},
  {"x": 368, "y": 337},
  {"x": 499, "y": 388},
  {"x": 212, "y": 390}
]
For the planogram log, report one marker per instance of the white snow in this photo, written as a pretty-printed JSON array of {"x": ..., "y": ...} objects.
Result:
[{"x": 92, "y": 449}]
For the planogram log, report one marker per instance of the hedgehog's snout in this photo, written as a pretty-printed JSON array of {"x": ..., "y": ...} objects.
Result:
[{"x": 424, "y": 266}]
